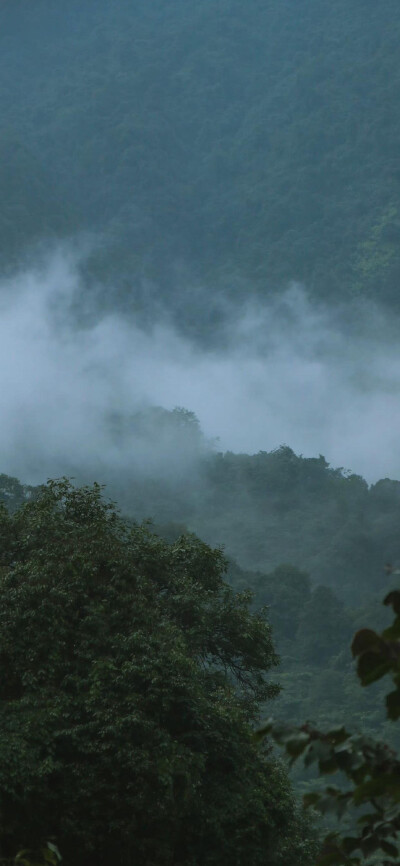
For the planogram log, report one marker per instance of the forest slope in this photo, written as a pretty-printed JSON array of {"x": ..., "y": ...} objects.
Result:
[
  {"x": 312, "y": 623},
  {"x": 266, "y": 509},
  {"x": 243, "y": 145}
]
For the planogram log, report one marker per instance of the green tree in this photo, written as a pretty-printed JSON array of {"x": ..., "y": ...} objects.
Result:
[{"x": 130, "y": 677}]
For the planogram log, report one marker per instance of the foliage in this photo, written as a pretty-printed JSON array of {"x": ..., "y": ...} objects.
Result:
[
  {"x": 47, "y": 855},
  {"x": 243, "y": 144},
  {"x": 278, "y": 506},
  {"x": 265, "y": 508},
  {"x": 130, "y": 677},
  {"x": 44, "y": 855},
  {"x": 13, "y": 494},
  {"x": 272, "y": 508},
  {"x": 372, "y": 768},
  {"x": 332, "y": 525}
]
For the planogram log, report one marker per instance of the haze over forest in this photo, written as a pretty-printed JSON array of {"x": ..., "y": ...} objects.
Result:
[
  {"x": 199, "y": 294},
  {"x": 226, "y": 185}
]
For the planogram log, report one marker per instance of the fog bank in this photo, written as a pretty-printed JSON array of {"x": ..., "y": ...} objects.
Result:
[{"x": 288, "y": 372}]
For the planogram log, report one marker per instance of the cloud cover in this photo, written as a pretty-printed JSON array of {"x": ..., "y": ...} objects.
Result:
[{"x": 288, "y": 372}]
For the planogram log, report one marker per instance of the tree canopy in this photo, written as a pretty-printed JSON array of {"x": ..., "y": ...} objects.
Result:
[
  {"x": 130, "y": 677},
  {"x": 251, "y": 144}
]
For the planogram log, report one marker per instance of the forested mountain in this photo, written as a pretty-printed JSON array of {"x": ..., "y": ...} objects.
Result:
[
  {"x": 311, "y": 543},
  {"x": 267, "y": 509},
  {"x": 191, "y": 159},
  {"x": 242, "y": 146}
]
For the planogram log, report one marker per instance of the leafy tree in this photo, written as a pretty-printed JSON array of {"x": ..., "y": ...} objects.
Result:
[
  {"x": 13, "y": 493},
  {"x": 130, "y": 677}
]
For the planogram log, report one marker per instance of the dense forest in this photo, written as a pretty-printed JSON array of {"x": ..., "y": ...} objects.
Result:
[
  {"x": 310, "y": 541},
  {"x": 242, "y": 149},
  {"x": 192, "y": 158},
  {"x": 136, "y": 656}
]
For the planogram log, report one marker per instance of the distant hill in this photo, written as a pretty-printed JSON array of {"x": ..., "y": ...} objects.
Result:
[
  {"x": 264, "y": 509},
  {"x": 238, "y": 146},
  {"x": 276, "y": 507},
  {"x": 276, "y": 512}
]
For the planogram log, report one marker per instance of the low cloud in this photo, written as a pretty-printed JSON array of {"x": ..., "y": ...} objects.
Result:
[{"x": 288, "y": 372}]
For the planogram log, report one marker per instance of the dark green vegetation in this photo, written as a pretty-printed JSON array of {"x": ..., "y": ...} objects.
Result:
[
  {"x": 131, "y": 672},
  {"x": 334, "y": 532},
  {"x": 130, "y": 678},
  {"x": 241, "y": 145},
  {"x": 265, "y": 509},
  {"x": 272, "y": 507},
  {"x": 204, "y": 152},
  {"x": 372, "y": 802}
]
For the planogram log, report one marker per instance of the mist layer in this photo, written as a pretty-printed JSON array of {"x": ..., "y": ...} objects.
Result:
[{"x": 289, "y": 372}]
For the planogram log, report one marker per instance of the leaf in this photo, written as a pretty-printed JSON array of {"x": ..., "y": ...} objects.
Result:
[
  {"x": 333, "y": 855},
  {"x": 319, "y": 751},
  {"x": 393, "y": 631},
  {"x": 261, "y": 733},
  {"x": 393, "y": 705},
  {"x": 372, "y": 667},
  {"x": 328, "y": 766},
  {"x": 282, "y": 732},
  {"x": 393, "y": 598},
  {"x": 350, "y": 758},
  {"x": 296, "y": 744},
  {"x": 337, "y": 736},
  {"x": 311, "y": 799},
  {"x": 52, "y": 854},
  {"x": 350, "y": 844},
  {"x": 370, "y": 845},
  {"x": 384, "y": 785},
  {"x": 389, "y": 848},
  {"x": 332, "y": 801},
  {"x": 22, "y": 857},
  {"x": 365, "y": 639}
]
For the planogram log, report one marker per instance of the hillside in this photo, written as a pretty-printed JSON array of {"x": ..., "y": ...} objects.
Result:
[
  {"x": 200, "y": 206},
  {"x": 263, "y": 509},
  {"x": 276, "y": 507},
  {"x": 207, "y": 145},
  {"x": 318, "y": 566}
]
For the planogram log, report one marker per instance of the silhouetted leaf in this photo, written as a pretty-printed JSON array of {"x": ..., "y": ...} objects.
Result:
[
  {"x": 389, "y": 848},
  {"x": 386, "y": 784},
  {"x": 365, "y": 639},
  {"x": 296, "y": 744},
  {"x": 337, "y": 735},
  {"x": 393, "y": 704},
  {"x": 372, "y": 666},
  {"x": 320, "y": 751},
  {"x": 393, "y": 598}
]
